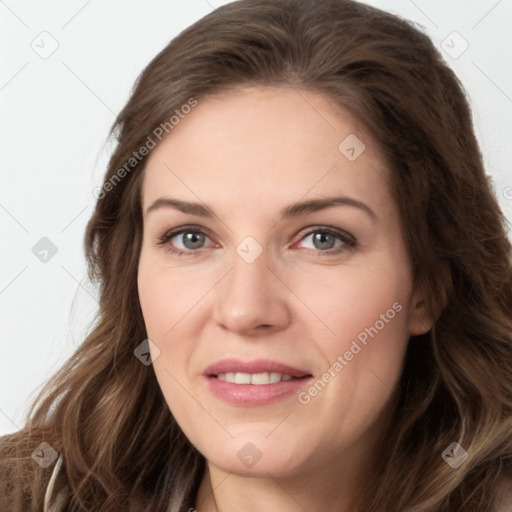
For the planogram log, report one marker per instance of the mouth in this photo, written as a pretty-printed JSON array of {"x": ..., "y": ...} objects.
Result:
[{"x": 254, "y": 383}]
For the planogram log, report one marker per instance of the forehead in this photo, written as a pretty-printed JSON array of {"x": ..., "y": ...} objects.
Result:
[{"x": 274, "y": 144}]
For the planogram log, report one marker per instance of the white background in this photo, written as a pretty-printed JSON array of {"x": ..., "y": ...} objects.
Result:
[{"x": 56, "y": 113}]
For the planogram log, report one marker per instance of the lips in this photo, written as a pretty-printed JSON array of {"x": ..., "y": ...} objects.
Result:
[{"x": 254, "y": 383}]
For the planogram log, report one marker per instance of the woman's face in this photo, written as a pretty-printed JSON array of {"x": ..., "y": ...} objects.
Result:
[{"x": 274, "y": 282}]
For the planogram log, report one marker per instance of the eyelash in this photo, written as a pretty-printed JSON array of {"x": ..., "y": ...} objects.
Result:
[{"x": 348, "y": 241}]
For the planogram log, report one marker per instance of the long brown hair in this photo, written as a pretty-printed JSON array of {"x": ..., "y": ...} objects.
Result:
[{"x": 104, "y": 412}]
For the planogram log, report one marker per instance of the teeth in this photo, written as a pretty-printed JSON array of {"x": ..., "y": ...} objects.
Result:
[
  {"x": 257, "y": 379},
  {"x": 260, "y": 378},
  {"x": 275, "y": 377},
  {"x": 242, "y": 378}
]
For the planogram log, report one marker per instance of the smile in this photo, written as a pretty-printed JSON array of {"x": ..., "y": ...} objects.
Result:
[
  {"x": 254, "y": 383},
  {"x": 257, "y": 379}
]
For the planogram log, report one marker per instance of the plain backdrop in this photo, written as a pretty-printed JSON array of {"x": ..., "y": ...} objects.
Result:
[{"x": 67, "y": 68}]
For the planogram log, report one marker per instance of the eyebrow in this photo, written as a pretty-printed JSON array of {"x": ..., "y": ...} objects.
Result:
[{"x": 291, "y": 211}]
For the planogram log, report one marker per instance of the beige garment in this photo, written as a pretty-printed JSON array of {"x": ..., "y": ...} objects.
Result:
[{"x": 60, "y": 500}]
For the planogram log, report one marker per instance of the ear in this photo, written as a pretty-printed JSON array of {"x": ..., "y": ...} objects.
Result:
[{"x": 421, "y": 318}]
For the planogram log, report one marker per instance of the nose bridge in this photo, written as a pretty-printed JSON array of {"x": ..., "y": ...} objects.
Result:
[
  {"x": 251, "y": 296},
  {"x": 251, "y": 282}
]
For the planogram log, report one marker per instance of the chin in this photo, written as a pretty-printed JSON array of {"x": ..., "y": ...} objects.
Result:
[{"x": 257, "y": 457}]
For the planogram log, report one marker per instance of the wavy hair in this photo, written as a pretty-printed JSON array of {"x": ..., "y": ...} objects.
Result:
[{"x": 104, "y": 411}]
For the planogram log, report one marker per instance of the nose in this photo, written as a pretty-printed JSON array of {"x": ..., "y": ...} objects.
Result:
[{"x": 251, "y": 299}]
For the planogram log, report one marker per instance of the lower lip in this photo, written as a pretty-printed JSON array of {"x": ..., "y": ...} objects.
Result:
[{"x": 250, "y": 395}]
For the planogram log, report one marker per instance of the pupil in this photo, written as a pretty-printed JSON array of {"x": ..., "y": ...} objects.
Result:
[
  {"x": 323, "y": 241},
  {"x": 193, "y": 240}
]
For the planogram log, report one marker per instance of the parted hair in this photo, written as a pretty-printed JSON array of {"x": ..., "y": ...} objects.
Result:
[{"x": 103, "y": 410}]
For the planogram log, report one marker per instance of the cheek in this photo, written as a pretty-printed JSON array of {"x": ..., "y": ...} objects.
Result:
[
  {"x": 172, "y": 300},
  {"x": 366, "y": 312},
  {"x": 163, "y": 306},
  {"x": 167, "y": 296},
  {"x": 154, "y": 301},
  {"x": 353, "y": 299}
]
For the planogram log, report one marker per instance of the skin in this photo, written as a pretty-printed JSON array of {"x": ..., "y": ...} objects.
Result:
[{"x": 247, "y": 155}]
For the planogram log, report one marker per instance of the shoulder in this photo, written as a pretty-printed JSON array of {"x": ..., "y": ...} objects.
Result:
[{"x": 26, "y": 465}]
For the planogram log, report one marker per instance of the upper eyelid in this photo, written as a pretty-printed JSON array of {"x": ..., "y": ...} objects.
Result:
[{"x": 187, "y": 227}]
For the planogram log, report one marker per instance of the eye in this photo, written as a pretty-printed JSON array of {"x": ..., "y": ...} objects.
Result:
[
  {"x": 328, "y": 240},
  {"x": 184, "y": 240},
  {"x": 187, "y": 240}
]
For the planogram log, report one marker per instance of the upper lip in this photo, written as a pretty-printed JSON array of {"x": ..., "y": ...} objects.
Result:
[{"x": 256, "y": 366}]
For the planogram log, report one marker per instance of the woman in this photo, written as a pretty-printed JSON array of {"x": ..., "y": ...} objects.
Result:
[{"x": 305, "y": 281}]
